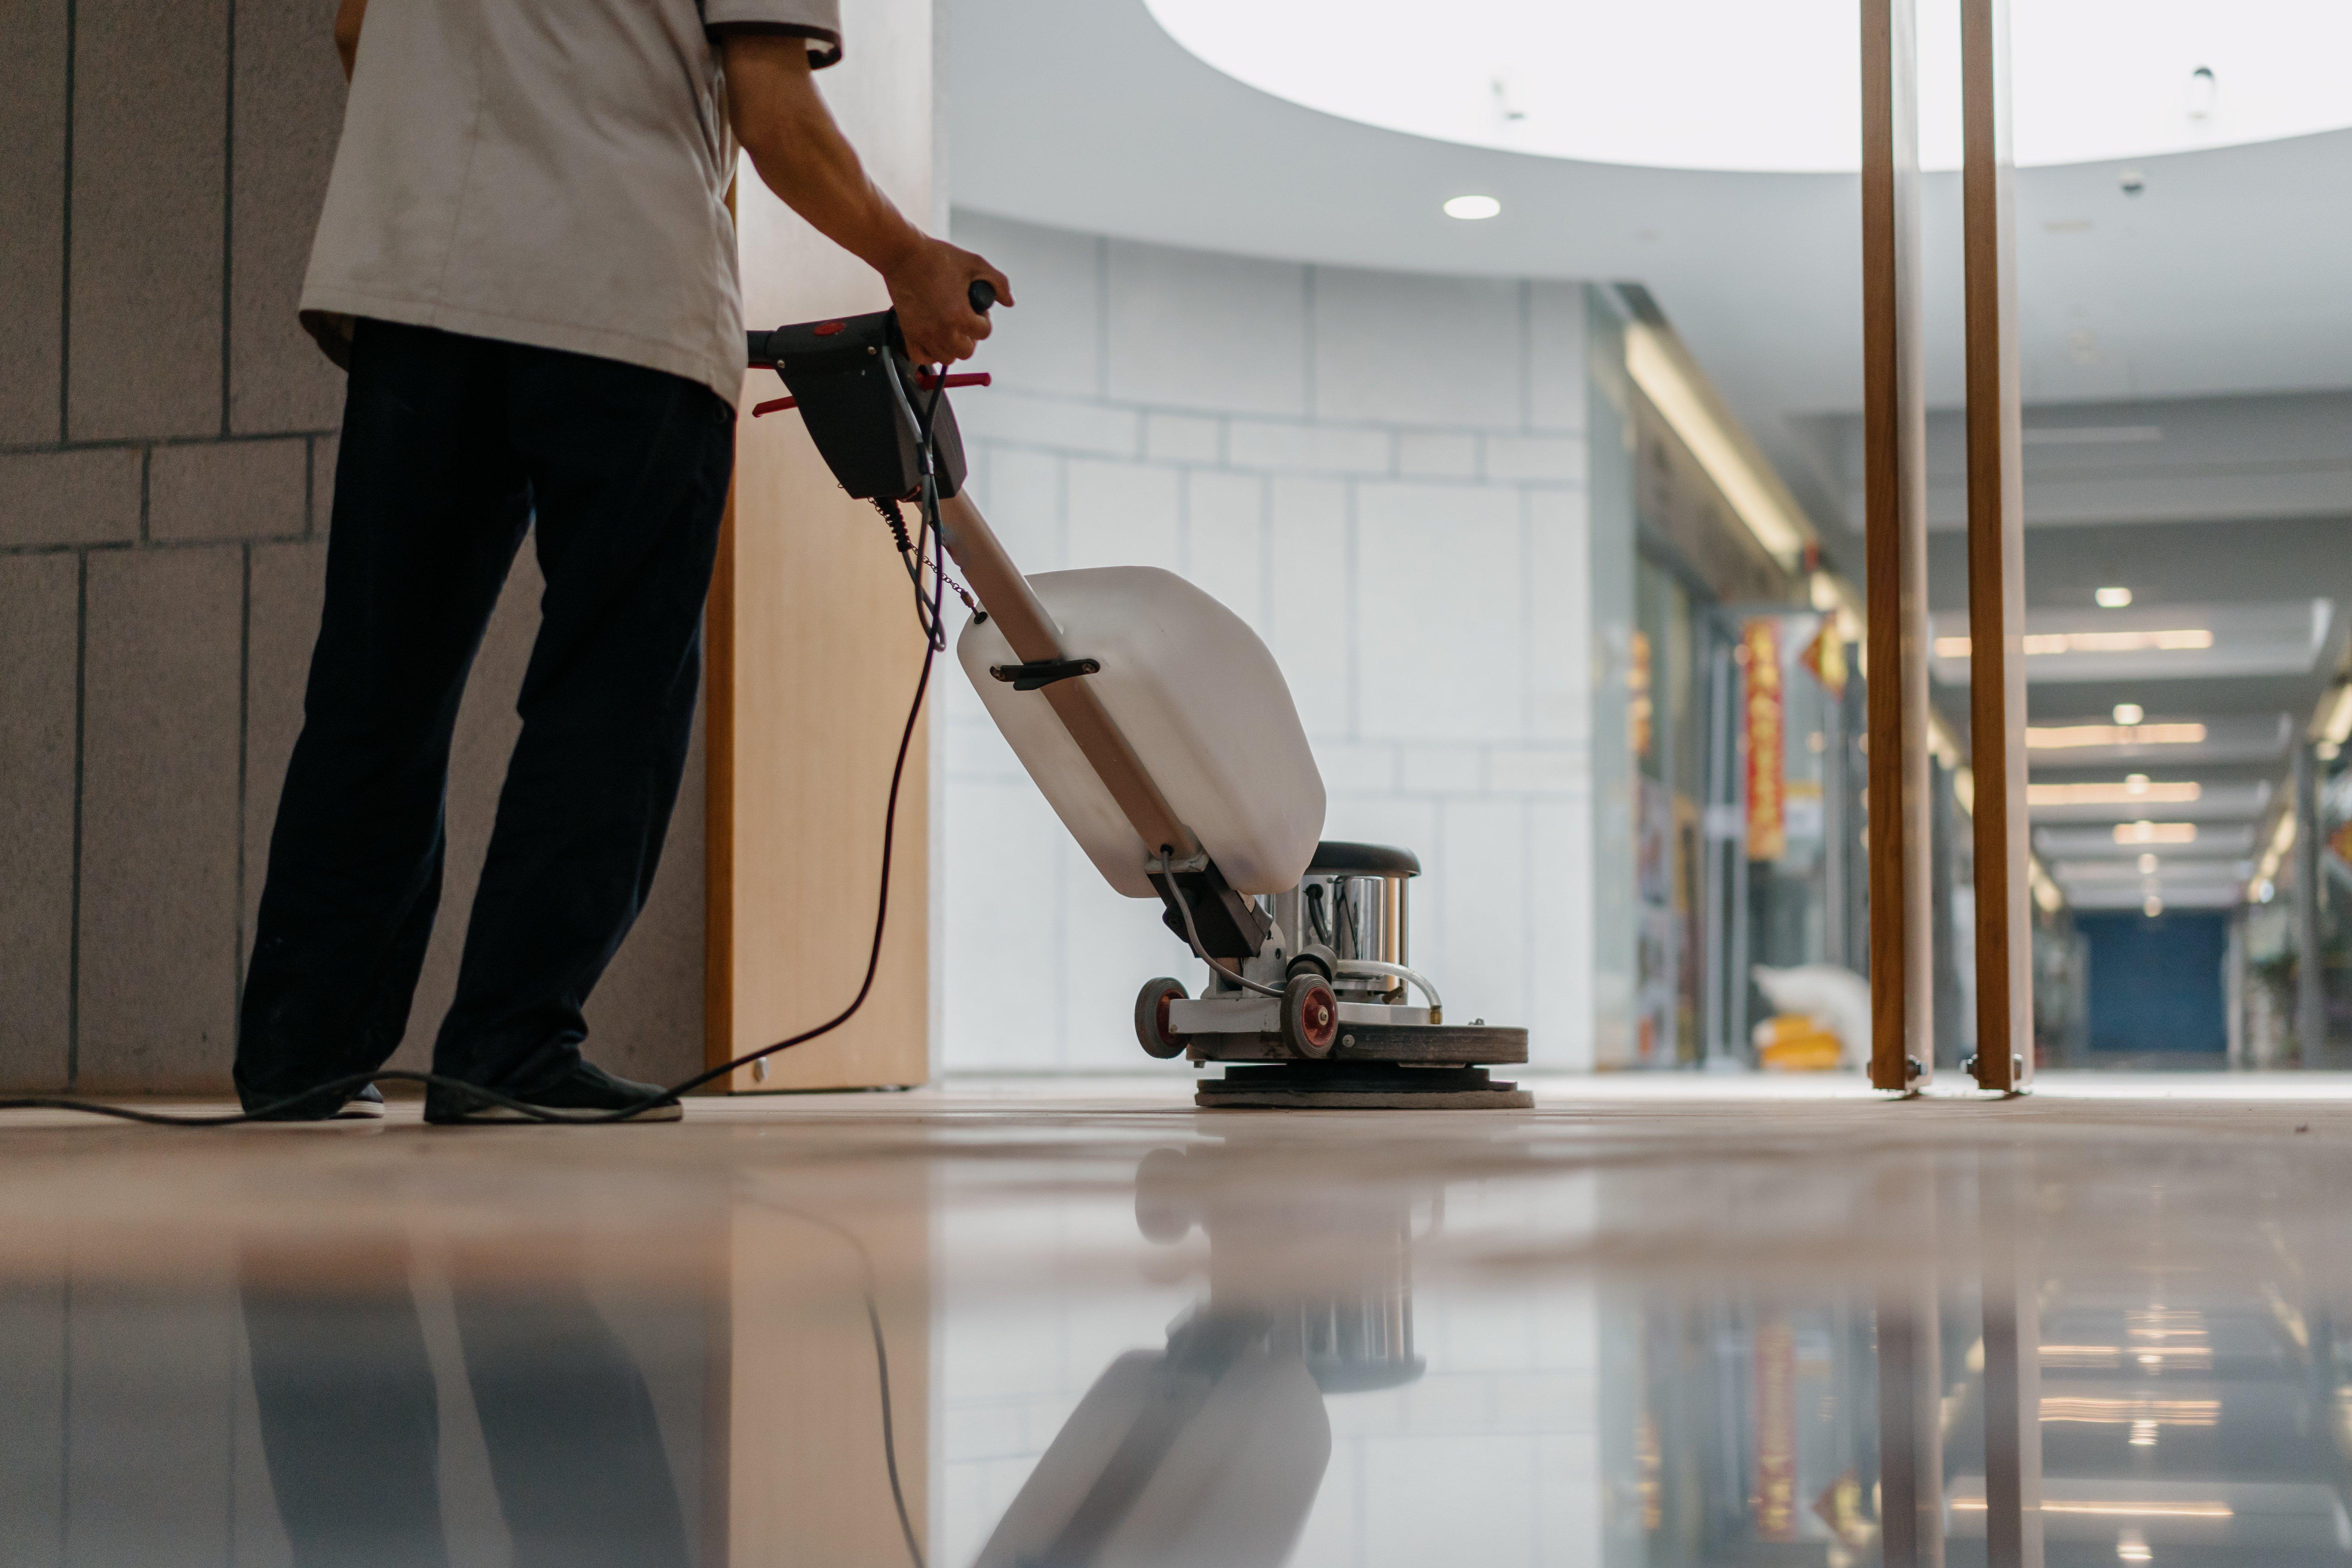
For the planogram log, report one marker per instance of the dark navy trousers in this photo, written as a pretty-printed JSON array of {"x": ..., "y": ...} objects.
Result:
[{"x": 452, "y": 448}]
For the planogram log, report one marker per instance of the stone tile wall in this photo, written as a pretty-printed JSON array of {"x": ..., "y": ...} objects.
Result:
[
  {"x": 1384, "y": 475},
  {"x": 167, "y": 454}
]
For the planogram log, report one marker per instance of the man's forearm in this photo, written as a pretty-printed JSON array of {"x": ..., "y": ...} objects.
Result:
[
  {"x": 782, "y": 123},
  {"x": 802, "y": 155}
]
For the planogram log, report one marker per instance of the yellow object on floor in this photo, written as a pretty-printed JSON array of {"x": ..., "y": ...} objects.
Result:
[{"x": 1796, "y": 1042}]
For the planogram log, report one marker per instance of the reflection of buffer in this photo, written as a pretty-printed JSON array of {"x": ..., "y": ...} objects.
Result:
[{"x": 1210, "y": 1454}]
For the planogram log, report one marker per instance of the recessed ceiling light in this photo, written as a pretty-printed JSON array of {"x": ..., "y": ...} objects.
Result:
[
  {"x": 2130, "y": 713},
  {"x": 2113, "y": 598},
  {"x": 1472, "y": 208},
  {"x": 2204, "y": 88},
  {"x": 2147, "y": 865},
  {"x": 2153, "y": 908}
]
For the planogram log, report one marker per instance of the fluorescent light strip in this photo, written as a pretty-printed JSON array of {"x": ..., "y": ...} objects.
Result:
[
  {"x": 2128, "y": 792},
  {"x": 2156, "y": 833},
  {"x": 2038, "y": 644},
  {"x": 2118, "y": 1510},
  {"x": 2069, "y": 737},
  {"x": 1662, "y": 380},
  {"x": 2122, "y": 1412}
]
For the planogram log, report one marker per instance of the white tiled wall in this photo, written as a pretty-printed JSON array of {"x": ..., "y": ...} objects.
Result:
[{"x": 1383, "y": 474}]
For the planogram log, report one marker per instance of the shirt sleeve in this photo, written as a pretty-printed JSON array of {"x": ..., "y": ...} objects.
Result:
[{"x": 818, "y": 21}]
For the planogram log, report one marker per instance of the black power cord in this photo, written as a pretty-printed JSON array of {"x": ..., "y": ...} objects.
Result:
[{"x": 934, "y": 642}]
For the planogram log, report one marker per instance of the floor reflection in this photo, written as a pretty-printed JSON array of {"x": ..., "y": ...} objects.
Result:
[
  {"x": 992, "y": 1338},
  {"x": 2012, "y": 1389},
  {"x": 351, "y": 1426},
  {"x": 1214, "y": 1449}
]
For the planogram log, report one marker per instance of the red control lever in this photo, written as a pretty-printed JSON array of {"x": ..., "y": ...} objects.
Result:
[{"x": 925, "y": 380}]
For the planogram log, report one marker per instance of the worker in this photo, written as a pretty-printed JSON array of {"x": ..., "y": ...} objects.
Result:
[{"x": 526, "y": 263}]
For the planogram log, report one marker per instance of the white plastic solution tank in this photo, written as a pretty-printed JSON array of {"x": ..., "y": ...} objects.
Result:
[{"x": 1198, "y": 697}]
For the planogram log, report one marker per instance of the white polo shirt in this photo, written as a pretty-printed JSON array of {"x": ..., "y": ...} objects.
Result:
[{"x": 546, "y": 172}]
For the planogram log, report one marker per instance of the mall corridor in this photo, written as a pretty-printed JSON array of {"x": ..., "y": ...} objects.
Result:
[{"x": 1175, "y": 783}]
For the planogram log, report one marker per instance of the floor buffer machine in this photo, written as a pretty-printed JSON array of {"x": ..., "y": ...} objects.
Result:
[{"x": 1162, "y": 731}]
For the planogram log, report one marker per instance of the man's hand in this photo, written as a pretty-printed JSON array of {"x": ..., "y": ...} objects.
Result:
[
  {"x": 931, "y": 288},
  {"x": 801, "y": 154}
]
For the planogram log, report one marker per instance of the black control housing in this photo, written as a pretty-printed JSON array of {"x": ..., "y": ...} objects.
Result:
[{"x": 856, "y": 392}]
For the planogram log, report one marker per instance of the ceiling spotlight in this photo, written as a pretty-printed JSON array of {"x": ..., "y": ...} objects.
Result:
[
  {"x": 2147, "y": 865},
  {"x": 2136, "y": 784},
  {"x": 2153, "y": 907},
  {"x": 2202, "y": 90},
  {"x": 1470, "y": 209},
  {"x": 2133, "y": 181},
  {"x": 2130, "y": 713},
  {"x": 2113, "y": 598}
]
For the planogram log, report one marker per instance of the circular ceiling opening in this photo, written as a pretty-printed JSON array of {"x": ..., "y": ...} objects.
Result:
[{"x": 1739, "y": 85}]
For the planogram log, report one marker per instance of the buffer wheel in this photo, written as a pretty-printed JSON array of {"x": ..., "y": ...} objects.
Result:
[
  {"x": 1152, "y": 1030},
  {"x": 1310, "y": 1016}
]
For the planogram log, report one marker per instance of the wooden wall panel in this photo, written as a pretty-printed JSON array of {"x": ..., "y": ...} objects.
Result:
[{"x": 815, "y": 653}]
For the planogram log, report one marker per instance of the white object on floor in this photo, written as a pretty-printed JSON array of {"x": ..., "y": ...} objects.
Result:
[
  {"x": 1831, "y": 992},
  {"x": 1198, "y": 697}
]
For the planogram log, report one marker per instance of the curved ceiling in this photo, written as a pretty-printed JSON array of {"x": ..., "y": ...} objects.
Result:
[
  {"x": 2224, "y": 275},
  {"x": 1732, "y": 84}
]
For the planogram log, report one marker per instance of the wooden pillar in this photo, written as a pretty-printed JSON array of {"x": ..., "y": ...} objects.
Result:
[
  {"x": 1895, "y": 438},
  {"x": 2004, "y": 1058},
  {"x": 813, "y": 652}
]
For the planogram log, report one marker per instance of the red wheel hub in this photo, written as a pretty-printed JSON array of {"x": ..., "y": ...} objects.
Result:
[{"x": 1320, "y": 1019}]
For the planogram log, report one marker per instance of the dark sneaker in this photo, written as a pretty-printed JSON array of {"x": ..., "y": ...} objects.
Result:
[
  {"x": 585, "y": 1093},
  {"x": 364, "y": 1104}
]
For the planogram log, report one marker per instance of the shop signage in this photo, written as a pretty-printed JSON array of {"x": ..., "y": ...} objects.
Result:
[{"x": 1763, "y": 741}]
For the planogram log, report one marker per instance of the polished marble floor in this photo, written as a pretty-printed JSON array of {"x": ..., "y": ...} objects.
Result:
[{"x": 1651, "y": 1321}]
